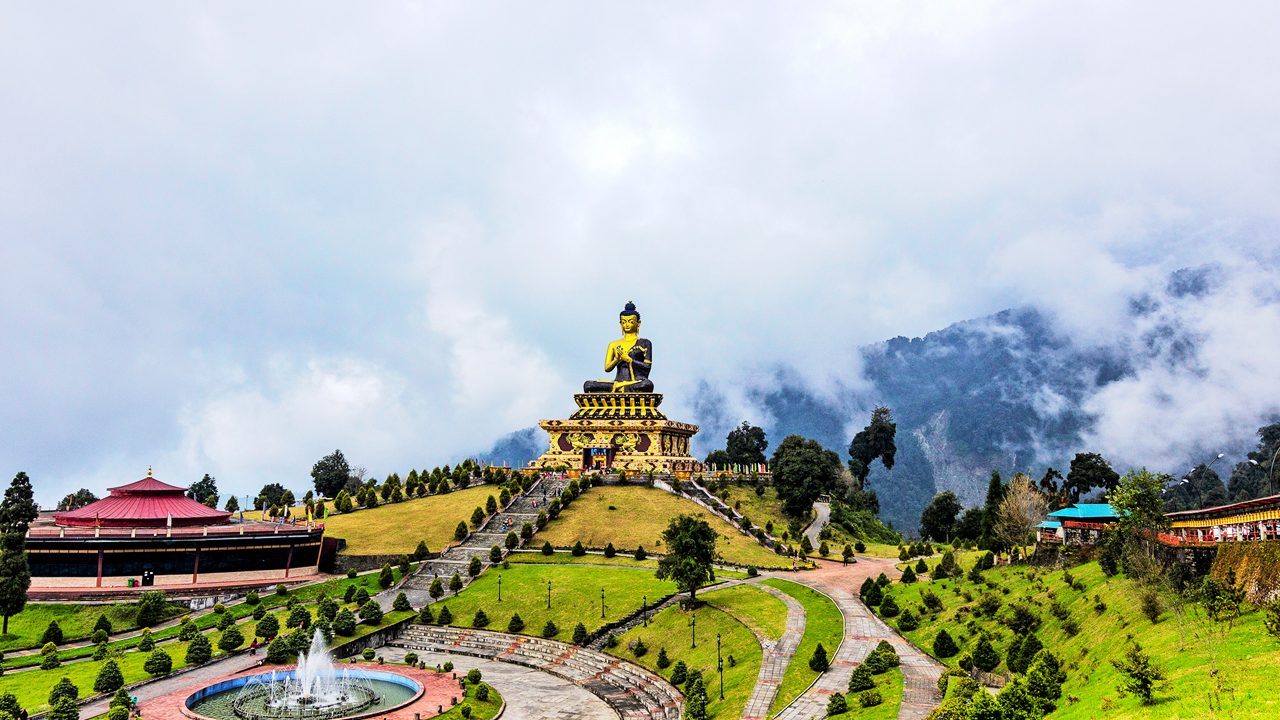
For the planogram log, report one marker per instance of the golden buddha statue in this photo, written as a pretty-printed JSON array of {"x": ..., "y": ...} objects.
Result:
[{"x": 630, "y": 357}]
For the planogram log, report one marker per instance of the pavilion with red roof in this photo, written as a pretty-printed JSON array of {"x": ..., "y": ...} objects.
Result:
[
  {"x": 149, "y": 533},
  {"x": 147, "y": 503}
]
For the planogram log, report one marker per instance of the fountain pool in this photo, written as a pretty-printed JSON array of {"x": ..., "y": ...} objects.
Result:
[{"x": 315, "y": 690}]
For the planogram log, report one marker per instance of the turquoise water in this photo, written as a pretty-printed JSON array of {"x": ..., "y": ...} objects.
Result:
[{"x": 218, "y": 705}]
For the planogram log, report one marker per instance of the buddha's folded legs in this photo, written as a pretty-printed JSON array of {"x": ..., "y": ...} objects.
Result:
[{"x": 597, "y": 386}]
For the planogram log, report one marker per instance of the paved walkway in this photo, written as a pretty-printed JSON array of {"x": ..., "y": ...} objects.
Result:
[
  {"x": 633, "y": 692},
  {"x": 821, "y": 514},
  {"x": 862, "y": 632},
  {"x": 530, "y": 694},
  {"x": 777, "y": 655}
]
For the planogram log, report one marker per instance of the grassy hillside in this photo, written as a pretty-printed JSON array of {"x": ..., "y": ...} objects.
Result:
[
  {"x": 575, "y": 596},
  {"x": 670, "y": 630},
  {"x": 396, "y": 528},
  {"x": 1195, "y": 652},
  {"x": 628, "y": 516}
]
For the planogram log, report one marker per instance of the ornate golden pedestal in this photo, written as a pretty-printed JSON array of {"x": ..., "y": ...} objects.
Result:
[{"x": 624, "y": 431}]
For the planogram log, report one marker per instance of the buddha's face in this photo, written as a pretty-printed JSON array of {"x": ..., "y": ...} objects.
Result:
[{"x": 629, "y": 323}]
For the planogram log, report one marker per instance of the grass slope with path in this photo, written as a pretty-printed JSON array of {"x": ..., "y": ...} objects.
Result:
[
  {"x": 670, "y": 629},
  {"x": 575, "y": 596},
  {"x": 758, "y": 610},
  {"x": 823, "y": 623},
  {"x": 1184, "y": 642},
  {"x": 76, "y": 621},
  {"x": 396, "y": 528},
  {"x": 759, "y": 509},
  {"x": 628, "y": 516}
]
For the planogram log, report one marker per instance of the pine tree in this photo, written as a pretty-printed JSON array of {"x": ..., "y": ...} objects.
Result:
[
  {"x": 17, "y": 510},
  {"x": 985, "y": 656},
  {"x": 943, "y": 645}
]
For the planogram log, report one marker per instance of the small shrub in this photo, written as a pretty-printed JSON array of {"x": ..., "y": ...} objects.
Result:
[
  {"x": 861, "y": 679},
  {"x": 550, "y": 630},
  {"x": 480, "y": 619},
  {"x": 869, "y": 698},
  {"x": 640, "y": 553},
  {"x": 199, "y": 650},
  {"x": 908, "y": 621},
  {"x": 578, "y": 550},
  {"x": 371, "y": 613},
  {"x": 547, "y": 549},
  {"x": 401, "y": 603},
  {"x": 836, "y": 704},
  {"x": 49, "y": 657},
  {"x": 679, "y": 673},
  {"x": 579, "y": 634},
  {"x": 818, "y": 661},
  {"x": 52, "y": 634},
  {"x": 664, "y": 662},
  {"x": 1152, "y": 607}
]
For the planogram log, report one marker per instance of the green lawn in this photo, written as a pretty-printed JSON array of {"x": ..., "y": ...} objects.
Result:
[
  {"x": 755, "y": 608},
  {"x": 564, "y": 558},
  {"x": 890, "y": 686},
  {"x": 32, "y": 686},
  {"x": 1183, "y": 643},
  {"x": 626, "y": 561},
  {"x": 396, "y": 528},
  {"x": 575, "y": 596},
  {"x": 670, "y": 629},
  {"x": 480, "y": 709},
  {"x": 823, "y": 624},
  {"x": 629, "y": 515},
  {"x": 308, "y": 593},
  {"x": 76, "y": 622}
]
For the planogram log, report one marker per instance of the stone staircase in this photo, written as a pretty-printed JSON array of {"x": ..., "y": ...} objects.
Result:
[
  {"x": 457, "y": 558},
  {"x": 633, "y": 692}
]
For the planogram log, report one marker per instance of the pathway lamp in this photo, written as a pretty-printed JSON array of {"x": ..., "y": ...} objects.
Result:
[
  {"x": 1271, "y": 471},
  {"x": 499, "y": 588},
  {"x": 644, "y": 610},
  {"x": 720, "y": 665},
  {"x": 693, "y": 630},
  {"x": 601, "y": 603},
  {"x": 548, "y": 594}
]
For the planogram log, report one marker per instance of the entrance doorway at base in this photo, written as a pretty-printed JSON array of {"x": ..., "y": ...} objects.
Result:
[{"x": 597, "y": 458}]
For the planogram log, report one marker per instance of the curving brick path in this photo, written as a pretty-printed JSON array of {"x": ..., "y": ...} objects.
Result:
[
  {"x": 777, "y": 655},
  {"x": 862, "y": 632}
]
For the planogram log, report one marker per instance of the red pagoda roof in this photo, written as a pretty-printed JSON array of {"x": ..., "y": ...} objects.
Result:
[{"x": 145, "y": 503}]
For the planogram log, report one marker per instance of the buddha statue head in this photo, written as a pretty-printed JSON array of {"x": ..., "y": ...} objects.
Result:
[{"x": 629, "y": 318}]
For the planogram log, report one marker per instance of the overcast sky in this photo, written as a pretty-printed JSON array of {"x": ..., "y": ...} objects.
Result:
[{"x": 235, "y": 236}]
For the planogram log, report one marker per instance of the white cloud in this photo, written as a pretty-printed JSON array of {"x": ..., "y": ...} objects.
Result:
[{"x": 452, "y": 202}]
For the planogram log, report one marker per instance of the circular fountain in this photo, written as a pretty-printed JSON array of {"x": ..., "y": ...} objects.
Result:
[{"x": 315, "y": 690}]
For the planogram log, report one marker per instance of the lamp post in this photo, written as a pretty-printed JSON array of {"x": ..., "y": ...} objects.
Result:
[
  {"x": 720, "y": 665},
  {"x": 693, "y": 631},
  {"x": 548, "y": 594},
  {"x": 644, "y": 610},
  {"x": 601, "y": 603},
  {"x": 1271, "y": 471},
  {"x": 499, "y": 588}
]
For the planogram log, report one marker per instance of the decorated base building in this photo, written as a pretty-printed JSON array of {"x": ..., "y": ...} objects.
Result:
[
  {"x": 618, "y": 424},
  {"x": 149, "y": 533}
]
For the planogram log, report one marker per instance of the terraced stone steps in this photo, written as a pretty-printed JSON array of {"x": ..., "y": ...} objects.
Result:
[{"x": 632, "y": 691}]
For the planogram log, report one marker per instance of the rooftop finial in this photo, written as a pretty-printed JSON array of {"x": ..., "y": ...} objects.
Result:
[{"x": 148, "y": 471}]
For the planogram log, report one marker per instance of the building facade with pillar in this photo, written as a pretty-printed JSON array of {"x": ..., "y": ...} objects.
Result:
[{"x": 149, "y": 533}]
